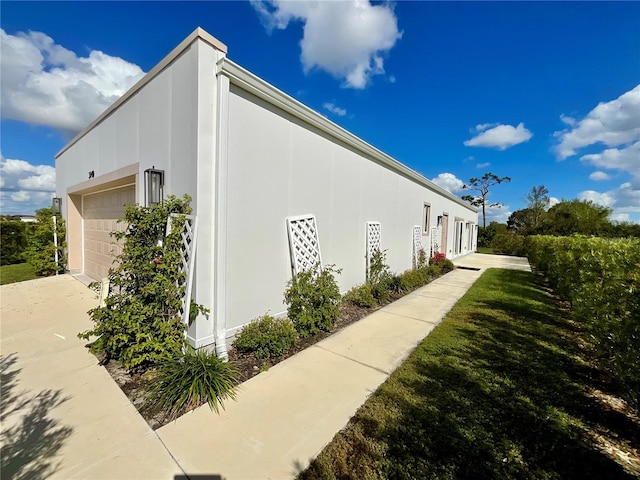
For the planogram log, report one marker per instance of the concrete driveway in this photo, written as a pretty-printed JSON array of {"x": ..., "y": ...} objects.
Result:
[{"x": 62, "y": 414}]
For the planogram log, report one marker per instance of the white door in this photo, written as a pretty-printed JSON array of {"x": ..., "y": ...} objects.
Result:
[{"x": 101, "y": 212}]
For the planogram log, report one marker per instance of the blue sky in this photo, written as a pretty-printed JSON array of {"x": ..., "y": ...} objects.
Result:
[{"x": 543, "y": 92}]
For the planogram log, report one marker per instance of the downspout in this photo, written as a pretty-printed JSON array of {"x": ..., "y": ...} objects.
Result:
[{"x": 220, "y": 219}]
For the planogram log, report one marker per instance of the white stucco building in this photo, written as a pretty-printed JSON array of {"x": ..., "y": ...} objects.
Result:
[{"x": 251, "y": 157}]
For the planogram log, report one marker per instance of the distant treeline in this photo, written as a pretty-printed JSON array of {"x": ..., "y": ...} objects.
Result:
[{"x": 568, "y": 217}]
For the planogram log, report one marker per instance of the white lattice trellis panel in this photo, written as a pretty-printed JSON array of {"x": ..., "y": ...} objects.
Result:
[
  {"x": 434, "y": 241},
  {"x": 188, "y": 237},
  {"x": 417, "y": 243},
  {"x": 373, "y": 241},
  {"x": 304, "y": 244}
]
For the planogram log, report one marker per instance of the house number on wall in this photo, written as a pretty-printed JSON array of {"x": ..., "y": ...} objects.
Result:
[{"x": 91, "y": 174}]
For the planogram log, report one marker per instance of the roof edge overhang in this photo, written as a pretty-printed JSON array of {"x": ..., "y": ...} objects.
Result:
[
  {"x": 197, "y": 34},
  {"x": 248, "y": 81},
  {"x": 255, "y": 85}
]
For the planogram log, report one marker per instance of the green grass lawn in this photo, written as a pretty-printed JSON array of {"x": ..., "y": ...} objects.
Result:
[
  {"x": 485, "y": 250},
  {"x": 499, "y": 390},
  {"x": 18, "y": 272}
]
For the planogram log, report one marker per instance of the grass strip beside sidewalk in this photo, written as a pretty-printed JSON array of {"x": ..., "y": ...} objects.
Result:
[{"x": 500, "y": 389}]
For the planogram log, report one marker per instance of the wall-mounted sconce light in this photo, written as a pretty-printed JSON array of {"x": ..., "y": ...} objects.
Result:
[
  {"x": 56, "y": 205},
  {"x": 153, "y": 186}
]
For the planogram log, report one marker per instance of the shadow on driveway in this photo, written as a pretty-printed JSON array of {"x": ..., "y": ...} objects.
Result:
[{"x": 30, "y": 438}]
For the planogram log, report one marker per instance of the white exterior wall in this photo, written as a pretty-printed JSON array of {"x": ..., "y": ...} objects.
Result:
[
  {"x": 278, "y": 166},
  {"x": 155, "y": 127},
  {"x": 248, "y": 166},
  {"x": 168, "y": 124}
]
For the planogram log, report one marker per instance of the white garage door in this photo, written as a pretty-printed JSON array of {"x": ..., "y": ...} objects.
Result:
[{"x": 101, "y": 212}]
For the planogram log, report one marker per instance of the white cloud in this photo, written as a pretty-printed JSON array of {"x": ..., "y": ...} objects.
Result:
[
  {"x": 25, "y": 187},
  {"x": 624, "y": 200},
  {"x": 499, "y": 213},
  {"x": 347, "y": 39},
  {"x": 553, "y": 201},
  {"x": 20, "y": 196},
  {"x": 45, "y": 182},
  {"x": 620, "y": 217},
  {"x": 449, "y": 182},
  {"x": 499, "y": 136},
  {"x": 333, "y": 108},
  {"x": 612, "y": 124},
  {"x": 43, "y": 83},
  {"x": 604, "y": 199},
  {"x": 626, "y": 159},
  {"x": 568, "y": 120},
  {"x": 616, "y": 125},
  {"x": 483, "y": 165}
]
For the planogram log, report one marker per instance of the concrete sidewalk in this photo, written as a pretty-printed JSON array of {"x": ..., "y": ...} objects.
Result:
[
  {"x": 77, "y": 423},
  {"x": 284, "y": 417}
]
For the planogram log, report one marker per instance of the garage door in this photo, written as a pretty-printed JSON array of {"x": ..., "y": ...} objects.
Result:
[{"x": 101, "y": 212}]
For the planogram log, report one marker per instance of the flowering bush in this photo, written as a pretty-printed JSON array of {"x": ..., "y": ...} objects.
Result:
[{"x": 438, "y": 259}]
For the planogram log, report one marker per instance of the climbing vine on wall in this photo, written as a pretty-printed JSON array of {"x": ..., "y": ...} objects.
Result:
[{"x": 140, "y": 322}]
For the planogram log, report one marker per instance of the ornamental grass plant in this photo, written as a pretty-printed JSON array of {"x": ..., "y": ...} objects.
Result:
[{"x": 184, "y": 382}]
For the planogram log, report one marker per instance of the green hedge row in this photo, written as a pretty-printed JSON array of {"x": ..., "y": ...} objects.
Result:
[
  {"x": 601, "y": 279},
  {"x": 33, "y": 243},
  {"x": 14, "y": 238}
]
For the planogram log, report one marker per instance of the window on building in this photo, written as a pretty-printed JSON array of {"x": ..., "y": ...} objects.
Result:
[{"x": 426, "y": 218}]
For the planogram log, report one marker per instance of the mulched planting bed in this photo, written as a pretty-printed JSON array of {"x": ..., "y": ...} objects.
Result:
[
  {"x": 249, "y": 366},
  {"x": 133, "y": 383}
]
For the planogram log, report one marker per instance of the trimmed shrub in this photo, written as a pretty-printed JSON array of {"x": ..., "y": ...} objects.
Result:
[
  {"x": 183, "y": 382},
  {"x": 601, "y": 279},
  {"x": 266, "y": 337},
  {"x": 361, "y": 296},
  {"x": 446, "y": 266},
  {"x": 380, "y": 276},
  {"x": 488, "y": 233},
  {"x": 41, "y": 251},
  {"x": 440, "y": 261},
  {"x": 435, "y": 270},
  {"x": 14, "y": 240},
  {"x": 395, "y": 284},
  {"x": 412, "y": 279},
  {"x": 313, "y": 300},
  {"x": 509, "y": 244},
  {"x": 423, "y": 261}
]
